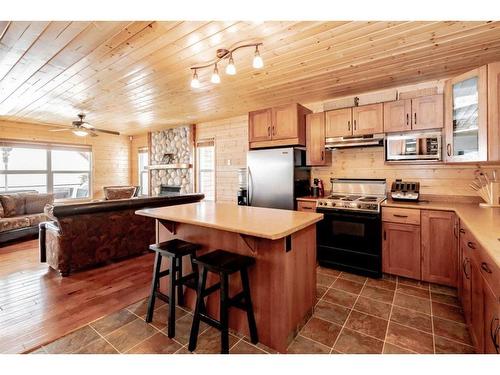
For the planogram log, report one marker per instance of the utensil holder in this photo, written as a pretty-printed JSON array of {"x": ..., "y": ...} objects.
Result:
[{"x": 492, "y": 191}]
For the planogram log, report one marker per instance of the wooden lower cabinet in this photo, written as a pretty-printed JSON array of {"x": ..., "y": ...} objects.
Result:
[
  {"x": 477, "y": 307},
  {"x": 439, "y": 247},
  {"x": 306, "y": 206},
  {"x": 401, "y": 249},
  {"x": 491, "y": 321},
  {"x": 480, "y": 303}
]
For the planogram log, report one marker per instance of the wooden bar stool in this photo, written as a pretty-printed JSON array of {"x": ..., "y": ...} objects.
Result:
[
  {"x": 175, "y": 250},
  {"x": 223, "y": 263}
]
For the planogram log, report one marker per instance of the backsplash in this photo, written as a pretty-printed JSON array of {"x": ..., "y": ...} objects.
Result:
[
  {"x": 175, "y": 142},
  {"x": 368, "y": 162}
]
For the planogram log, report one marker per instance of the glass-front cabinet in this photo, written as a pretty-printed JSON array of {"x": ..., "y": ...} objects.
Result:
[{"x": 466, "y": 117}]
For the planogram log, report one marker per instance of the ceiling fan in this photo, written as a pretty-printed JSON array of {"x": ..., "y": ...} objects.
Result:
[{"x": 82, "y": 128}]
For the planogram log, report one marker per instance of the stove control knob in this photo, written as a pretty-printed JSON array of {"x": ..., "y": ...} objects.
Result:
[{"x": 333, "y": 204}]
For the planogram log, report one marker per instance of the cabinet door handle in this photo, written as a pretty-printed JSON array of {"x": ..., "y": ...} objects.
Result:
[
  {"x": 349, "y": 125},
  {"x": 322, "y": 155},
  {"x": 415, "y": 116},
  {"x": 462, "y": 230},
  {"x": 494, "y": 332},
  {"x": 268, "y": 131},
  {"x": 385, "y": 236},
  {"x": 471, "y": 245},
  {"x": 407, "y": 119},
  {"x": 448, "y": 149},
  {"x": 467, "y": 276},
  {"x": 274, "y": 130},
  {"x": 354, "y": 124},
  {"x": 401, "y": 216},
  {"x": 485, "y": 267}
]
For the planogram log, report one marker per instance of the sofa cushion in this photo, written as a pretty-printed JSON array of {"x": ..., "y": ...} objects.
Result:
[
  {"x": 17, "y": 222},
  {"x": 122, "y": 192},
  {"x": 12, "y": 204},
  {"x": 35, "y": 203},
  {"x": 36, "y": 219}
]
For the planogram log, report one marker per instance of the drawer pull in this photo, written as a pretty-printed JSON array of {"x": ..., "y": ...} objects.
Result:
[
  {"x": 401, "y": 216},
  {"x": 306, "y": 208},
  {"x": 471, "y": 245},
  {"x": 485, "y": 267},
  {"x": 462, "y": 230}
]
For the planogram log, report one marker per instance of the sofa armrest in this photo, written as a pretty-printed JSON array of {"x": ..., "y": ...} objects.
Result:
[{"x": 42, "y": 237}]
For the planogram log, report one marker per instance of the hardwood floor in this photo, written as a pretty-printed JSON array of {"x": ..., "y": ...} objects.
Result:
[{"x": 37, "y": 305}]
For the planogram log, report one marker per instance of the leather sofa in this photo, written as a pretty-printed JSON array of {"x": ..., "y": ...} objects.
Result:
[{"x": 85, "y": 235}]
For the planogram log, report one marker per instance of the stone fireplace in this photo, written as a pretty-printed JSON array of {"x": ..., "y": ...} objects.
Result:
[{"x": 171, "y": 160}]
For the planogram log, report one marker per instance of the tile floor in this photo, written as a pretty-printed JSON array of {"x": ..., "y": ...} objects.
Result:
[{"x": 353, "y": 314}]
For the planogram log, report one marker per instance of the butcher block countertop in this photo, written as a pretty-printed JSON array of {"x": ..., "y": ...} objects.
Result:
[
  {"x": 261, "y": 222},
  {"x": 484, "y": 223}
]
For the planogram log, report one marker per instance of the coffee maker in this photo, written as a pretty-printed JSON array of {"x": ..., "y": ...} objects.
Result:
[{"x": 242, "y": 193}]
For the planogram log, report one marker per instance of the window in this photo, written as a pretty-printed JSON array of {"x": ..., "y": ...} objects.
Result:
[
  {"x": 142, "y": 167},
  {"x": 205, "y": 151},
  {"x": 62, "y": 170}
]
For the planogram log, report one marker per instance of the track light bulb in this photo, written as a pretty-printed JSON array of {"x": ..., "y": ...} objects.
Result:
[
  {"x": 215, "y": 75},
  {"x": 231, "y": 68},
  {"x": 195, "y": 82},
  {"x": 257, "y": 60}
]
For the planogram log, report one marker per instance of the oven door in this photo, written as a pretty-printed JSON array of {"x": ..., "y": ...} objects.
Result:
[{"x": 351, "y": 241}]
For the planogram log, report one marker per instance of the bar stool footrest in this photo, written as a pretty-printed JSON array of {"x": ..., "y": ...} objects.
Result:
[
  {"x": 163, "y": 297},
  {"x": 210, "y": 321}
]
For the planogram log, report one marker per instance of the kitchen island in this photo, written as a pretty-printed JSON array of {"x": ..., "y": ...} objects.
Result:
[{"x": 283, "y": 243}]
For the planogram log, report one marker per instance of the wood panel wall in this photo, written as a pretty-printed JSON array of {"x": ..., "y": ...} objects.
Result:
[
  {"x": 231, "y": 146},
  {"x": 110, "y": 153}
]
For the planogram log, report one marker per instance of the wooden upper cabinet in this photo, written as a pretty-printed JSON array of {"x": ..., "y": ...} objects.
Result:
[
  {"x": 439, "y": 233},
  {"x": 338, "y": 123},
  {"x": 368, "y": 119},
  {"x": 260, "y": 125},
  {"x": 465, "y": 114},
  {"x": 397, "y": 116},
  {"x": 401, "y": 249},
  {"x": 427, "y": 112},
  {"x": 315, "y": 139},
  {"x": 279, "y": 126},
  {"x": 494, "y": 113}
]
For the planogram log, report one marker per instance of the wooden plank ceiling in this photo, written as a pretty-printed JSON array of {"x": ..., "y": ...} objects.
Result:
[{"x": 133, "y": 76}]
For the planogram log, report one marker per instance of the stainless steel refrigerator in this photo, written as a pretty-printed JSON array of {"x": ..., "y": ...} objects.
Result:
[{"x": 276, "y": 177}]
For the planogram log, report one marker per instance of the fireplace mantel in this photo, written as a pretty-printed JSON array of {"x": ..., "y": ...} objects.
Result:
[{"x": 170, "y": 166}]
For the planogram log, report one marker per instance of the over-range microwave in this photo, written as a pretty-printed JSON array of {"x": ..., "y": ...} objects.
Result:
[{"x": 406, "y": 147}]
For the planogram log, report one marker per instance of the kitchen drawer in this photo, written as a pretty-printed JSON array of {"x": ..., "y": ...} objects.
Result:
[
  {"x": 401, "y": 215},
  {"x": 308, "y": 206}
]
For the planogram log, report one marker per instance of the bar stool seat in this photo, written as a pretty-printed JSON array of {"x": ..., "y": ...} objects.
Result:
[
  {"x": 224, "y": 264},
  {"x": 175, "y": 250}
]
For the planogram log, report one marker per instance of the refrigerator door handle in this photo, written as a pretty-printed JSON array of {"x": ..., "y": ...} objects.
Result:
[{"x": 250, "y": 186}]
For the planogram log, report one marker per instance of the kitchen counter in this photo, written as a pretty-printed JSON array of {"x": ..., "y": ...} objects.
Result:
[
  {"x": 484, "y": 223},
  {"x": 283, "y": 244},
  {"x": 260, "y": 222}
]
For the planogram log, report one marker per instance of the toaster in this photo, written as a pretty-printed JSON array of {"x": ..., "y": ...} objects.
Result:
[{"x": 405, "y": 191}]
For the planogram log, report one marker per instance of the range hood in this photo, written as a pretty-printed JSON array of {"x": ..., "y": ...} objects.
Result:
[{"x": 355, "y": 141}]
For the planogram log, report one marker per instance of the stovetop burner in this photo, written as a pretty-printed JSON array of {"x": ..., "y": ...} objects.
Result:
[
  {"x": 351, "y": 198},
  {"x": 335, "y": 197}
]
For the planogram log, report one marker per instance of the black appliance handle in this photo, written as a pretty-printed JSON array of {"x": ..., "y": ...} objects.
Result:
[
  {"x": 348, "y": 214},
  {"x": 250, "y": 186}
]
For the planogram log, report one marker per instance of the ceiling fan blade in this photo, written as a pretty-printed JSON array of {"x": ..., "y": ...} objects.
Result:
[
  {"x": 86, "y": 125},
  {"x": 60, "y": 130},
  {"x": 105, "y": 131},
  {"x": 92, "y": 134}
]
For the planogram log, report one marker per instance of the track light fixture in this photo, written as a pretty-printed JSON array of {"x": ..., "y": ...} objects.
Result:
[{"x": 222, "y": 54}]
